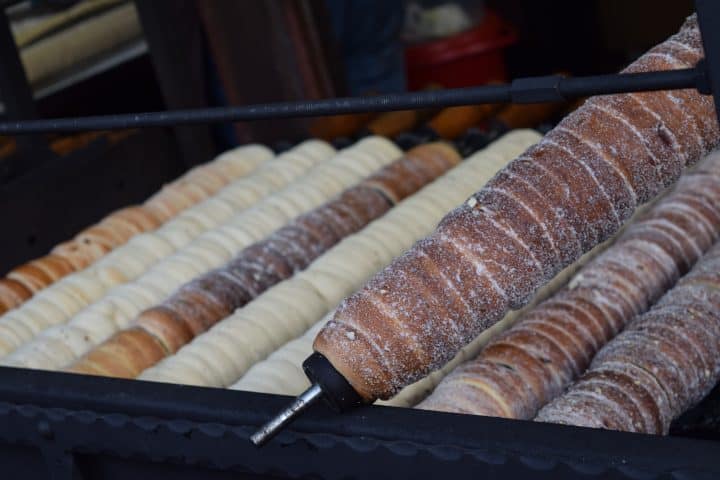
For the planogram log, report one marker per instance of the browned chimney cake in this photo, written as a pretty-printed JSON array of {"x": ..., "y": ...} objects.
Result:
[
  {"x": 564, "y": 195},
  {"x": 665, "y": 362},
  {"x": 536, "y": 359}
]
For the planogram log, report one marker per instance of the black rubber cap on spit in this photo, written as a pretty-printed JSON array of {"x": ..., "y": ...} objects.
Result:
[
  {"x": 472, "y": 141},
  {"x": 337, "y": 392},
  {"x": 419, "y": 136}
]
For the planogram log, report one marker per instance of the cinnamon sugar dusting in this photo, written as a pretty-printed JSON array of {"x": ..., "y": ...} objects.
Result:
[{"x": 496, "y": 249}]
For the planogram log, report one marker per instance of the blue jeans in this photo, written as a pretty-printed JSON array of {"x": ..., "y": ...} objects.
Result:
[{"x": 368, "y": 32}]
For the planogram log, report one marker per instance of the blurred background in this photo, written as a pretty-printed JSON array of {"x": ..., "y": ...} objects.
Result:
[{"x": 70, "y": 58}]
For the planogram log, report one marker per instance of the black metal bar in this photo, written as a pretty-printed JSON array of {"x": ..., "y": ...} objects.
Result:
[
  {"x": 575, "y": 87},
  {"x": 522, "y": 90},
  {"x": 708, "y": 12}
]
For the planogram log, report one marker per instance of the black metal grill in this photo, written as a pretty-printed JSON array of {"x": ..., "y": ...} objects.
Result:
[
  {"x": 70, "y": 426},
  {"x": 125, "y": 427}
]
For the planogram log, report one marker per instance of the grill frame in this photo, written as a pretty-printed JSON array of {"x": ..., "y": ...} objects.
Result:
[
  {"x": 67, "y": 426},
  {"x": 86, "y": 427}
]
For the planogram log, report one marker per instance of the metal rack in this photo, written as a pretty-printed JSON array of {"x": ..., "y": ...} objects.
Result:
[{"x": 71, "y": 427}]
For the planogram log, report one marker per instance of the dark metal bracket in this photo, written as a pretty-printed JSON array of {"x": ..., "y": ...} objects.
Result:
[{"x": 708, "y": 12}]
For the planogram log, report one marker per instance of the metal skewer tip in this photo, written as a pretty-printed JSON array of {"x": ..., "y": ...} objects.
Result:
[{"x": 277, "y": 423}]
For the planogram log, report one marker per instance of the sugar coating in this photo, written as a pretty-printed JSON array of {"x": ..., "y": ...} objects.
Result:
[
  {"x": 636, "y": 269},
  {"x": 674, "y": 346},
  {"x": 619, "y": 165}
]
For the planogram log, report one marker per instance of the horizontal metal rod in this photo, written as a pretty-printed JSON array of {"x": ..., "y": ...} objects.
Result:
[
  {"x": 527, "y": 90},
  {"x": 574, "y": 87}
]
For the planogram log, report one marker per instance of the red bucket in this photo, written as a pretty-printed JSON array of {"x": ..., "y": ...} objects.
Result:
[{"x": 473, "y": 57}]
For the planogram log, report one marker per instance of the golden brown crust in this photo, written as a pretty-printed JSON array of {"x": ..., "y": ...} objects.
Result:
[
  {"x": 360, "y": 205},
  {"x": 637, "y": 393},
  {"x": 13, "y": 293},
  {"x": 88, "y": 368},
  {"x": 362, "y": 351},
  {"x": 117, "y": 228},
  {"x": 121, "y": 230},
  {"x": 643, "y": 173},
  {"x": 197, "y": 316},
  {"x": 501, "y": 249},
  {"x": 415, "y": 169},
  {"x": 71, "y": 252},
  {"x": 166, "y": 327},
  {"x": 125, "y": 355},
  {"x": 54, "y": 266},
  {"x": 103, "y": 361},
  {"x": 105, "y": 234},
  {"x": 31, "y": 277},
  {"x": 597, "y": 192},
  {"x": 80, "y": 254},
  {"x": 538, "y": 375},
  {"x": 160, "y": 209}
]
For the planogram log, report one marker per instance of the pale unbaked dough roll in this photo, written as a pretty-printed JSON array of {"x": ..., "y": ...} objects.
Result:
[
  {"x": 208, "y": 298},
  {"x": 281, "y": 373},
  {"x": 191, "y": 188},
  {"x": 135, "y": 257},
  {"x": 122, "y": 225},
  {"x": 257, "y": 331},
  {"x": 243, "y": 193},
  {"x": 167, "y": 275},
  {"x": 12, "y": 294}
]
